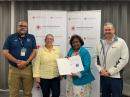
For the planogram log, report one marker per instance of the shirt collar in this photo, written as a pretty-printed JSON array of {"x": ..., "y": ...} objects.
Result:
[
  {"x": 53, "y": 49},
  {"x": 113, "y": 40},
  {"x": 20, "y": 36}
]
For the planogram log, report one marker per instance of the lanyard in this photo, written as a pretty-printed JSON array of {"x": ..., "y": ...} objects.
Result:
[{"x": 21, "y": 42}]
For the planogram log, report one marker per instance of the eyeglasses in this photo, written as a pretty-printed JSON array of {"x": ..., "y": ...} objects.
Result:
[
  {"x": 22, "y": 26},
  {"x": 108, "y": 29}
]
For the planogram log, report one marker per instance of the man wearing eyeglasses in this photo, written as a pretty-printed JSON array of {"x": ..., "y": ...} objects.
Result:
[
  {"x": 112, "y": 56},
  {"x": 20, "y": 49}
]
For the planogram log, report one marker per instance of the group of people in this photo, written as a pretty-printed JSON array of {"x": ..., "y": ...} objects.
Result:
[{"x": 111, "y": 56}]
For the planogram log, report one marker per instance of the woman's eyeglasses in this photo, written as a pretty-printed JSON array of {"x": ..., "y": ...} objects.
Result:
[{"x": 108, "y": 29}]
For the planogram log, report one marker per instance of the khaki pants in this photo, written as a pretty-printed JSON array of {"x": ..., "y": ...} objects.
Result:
[{"x": 18, "y": 77}]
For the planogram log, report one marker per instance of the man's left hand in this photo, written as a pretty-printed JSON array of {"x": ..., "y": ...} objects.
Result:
[{"x": 23, "y": 64}]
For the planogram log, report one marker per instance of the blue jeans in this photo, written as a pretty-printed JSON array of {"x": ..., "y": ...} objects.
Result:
[{"x": 111, "y": 86}]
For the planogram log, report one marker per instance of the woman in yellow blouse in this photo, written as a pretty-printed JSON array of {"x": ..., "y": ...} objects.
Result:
[{"x": 45, "y": 68}]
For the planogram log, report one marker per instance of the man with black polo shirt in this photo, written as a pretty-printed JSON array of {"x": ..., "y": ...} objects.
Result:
[{"x": 20, "y": 49}]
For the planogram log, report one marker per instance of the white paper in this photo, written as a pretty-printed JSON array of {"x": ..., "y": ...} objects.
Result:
[
  {"x": 71, "y": 65},
  {"x": 64, "y": 66},
  {"x": 76, "y": 64}
]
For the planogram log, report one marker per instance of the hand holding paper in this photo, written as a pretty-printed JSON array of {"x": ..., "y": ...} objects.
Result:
[{"x": 69, "y": 66}]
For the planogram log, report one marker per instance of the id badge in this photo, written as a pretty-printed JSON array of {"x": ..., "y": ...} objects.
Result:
[{"x": 23, "y": 51}]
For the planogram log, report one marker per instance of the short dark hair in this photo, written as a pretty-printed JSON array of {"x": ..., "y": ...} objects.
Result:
[
  {"x": 77, "y": 37},
  {"x": 23, "y": 20}
]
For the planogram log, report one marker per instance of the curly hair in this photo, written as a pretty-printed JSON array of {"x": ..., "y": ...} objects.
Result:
[{"x": 76, "y": 37}]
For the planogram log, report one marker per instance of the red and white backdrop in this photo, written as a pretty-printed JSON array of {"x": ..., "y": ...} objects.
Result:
[{"x": 63, "y": 25}]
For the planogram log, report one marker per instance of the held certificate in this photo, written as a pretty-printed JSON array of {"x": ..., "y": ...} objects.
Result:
[{"x": 70, "y": 65}]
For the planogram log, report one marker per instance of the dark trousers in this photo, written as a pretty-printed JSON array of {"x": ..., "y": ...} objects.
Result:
[
  {"x": 111, "y": 86},
  {"x": 52, "y": 85}
]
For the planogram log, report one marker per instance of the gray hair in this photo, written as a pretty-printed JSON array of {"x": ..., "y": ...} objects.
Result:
[
  {"x": 109, "y": 23},
  {"x": 48, "y": 35}
]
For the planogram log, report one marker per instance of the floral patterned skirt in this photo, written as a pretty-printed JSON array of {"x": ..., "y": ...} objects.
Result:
[{"x": 77, "y": 91}]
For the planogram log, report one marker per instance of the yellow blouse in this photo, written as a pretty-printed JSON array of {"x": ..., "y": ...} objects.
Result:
[{"x": 45, "y": 65}]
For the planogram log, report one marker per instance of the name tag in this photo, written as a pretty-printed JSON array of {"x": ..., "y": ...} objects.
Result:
[{"x": 23, "y": 51}]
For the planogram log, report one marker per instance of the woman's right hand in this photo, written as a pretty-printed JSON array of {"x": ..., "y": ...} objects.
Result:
[
  {"x": 37, "y": 82},
  {"x": 37, "y": 79}
]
